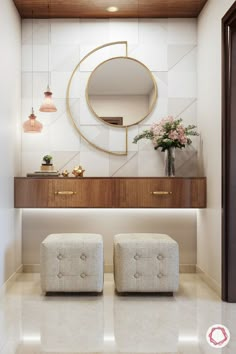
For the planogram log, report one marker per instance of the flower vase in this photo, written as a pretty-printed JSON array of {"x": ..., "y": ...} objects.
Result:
[{"x": 170, "y": 162}]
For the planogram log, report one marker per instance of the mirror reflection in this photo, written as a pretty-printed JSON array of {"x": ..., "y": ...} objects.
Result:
[{"x": 121, "y": 91}]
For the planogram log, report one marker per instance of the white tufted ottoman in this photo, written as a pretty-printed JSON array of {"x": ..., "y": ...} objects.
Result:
[
  {"x": 72, "y": 263},
  {"x": 145, "y": 262}
]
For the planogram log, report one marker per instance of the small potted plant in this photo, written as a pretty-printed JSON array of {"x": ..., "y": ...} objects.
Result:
[{"x": 47, "y": 165}]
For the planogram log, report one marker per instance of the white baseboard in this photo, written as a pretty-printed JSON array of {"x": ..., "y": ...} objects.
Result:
[
  {"x": 187, "y": 268},
  {"x": 11, "y": 280},
  {"x": 31, "y": 268},
  {"x": 108, "y": 268},
  {"x": 209, "y": 280}
]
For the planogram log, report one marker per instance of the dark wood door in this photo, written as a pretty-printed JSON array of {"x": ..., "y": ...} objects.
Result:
[{"x": 229, "y": 158}]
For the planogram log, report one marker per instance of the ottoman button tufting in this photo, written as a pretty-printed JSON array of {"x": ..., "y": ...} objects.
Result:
[
  {"x": 145, "y": 262},
  {"x": 67, "y": 259},
  {"x": 83, "y": 257}
]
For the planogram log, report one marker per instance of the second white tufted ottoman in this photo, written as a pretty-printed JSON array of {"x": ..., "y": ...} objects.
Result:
[
  {"x": 146, "y": 262},
  {"x": 72, "y": 263}
]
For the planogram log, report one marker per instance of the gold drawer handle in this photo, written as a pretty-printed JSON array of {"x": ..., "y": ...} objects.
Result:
[
  {"x": 65, "y": 193},
  {"x": 161, "y": 193}
]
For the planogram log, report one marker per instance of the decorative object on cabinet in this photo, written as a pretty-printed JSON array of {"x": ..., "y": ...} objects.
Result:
[
  {"x": 47, "y": 165},
  {"x": 65, "y": 173},
  {"x": 110, "y": 192},
  {"x": 43, "y": 174},
  {"x": 169, "y": 134},
  {"x": 78, "y": 171},
  {"x": 48, "y": 104},
  {"x": 141, "y": 83},
  {"x": 32, "y": 125}
]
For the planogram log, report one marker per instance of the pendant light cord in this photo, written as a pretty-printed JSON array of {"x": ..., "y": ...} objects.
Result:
[
  {"x": 49, "y": 42},
  {"x": 32, "y": 86}
]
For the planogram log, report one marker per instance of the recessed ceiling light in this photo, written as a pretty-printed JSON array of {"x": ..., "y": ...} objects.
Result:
[{"x": 112, "y": 9}]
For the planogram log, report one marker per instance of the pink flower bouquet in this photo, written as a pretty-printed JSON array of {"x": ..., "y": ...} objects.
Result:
[{"x": 169, "y": 133}]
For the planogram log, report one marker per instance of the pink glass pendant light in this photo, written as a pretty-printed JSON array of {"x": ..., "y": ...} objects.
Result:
[
  {"x": 32, "y": 125},
  {"x": 48, "y": 105}
]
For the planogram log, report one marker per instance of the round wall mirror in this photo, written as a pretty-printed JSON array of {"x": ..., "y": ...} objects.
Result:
[{"x": 121, "y": 91}]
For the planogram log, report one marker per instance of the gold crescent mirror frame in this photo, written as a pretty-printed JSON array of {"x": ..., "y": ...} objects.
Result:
[
  {"x": 121, "y": 91},
  {"x": 118, "y": 120}
]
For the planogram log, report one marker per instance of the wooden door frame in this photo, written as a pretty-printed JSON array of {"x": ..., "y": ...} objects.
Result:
[{"x": 228, "y": 262}]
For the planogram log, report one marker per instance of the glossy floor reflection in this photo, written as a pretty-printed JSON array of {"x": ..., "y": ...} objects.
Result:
[{"x": 31, "y": 323}]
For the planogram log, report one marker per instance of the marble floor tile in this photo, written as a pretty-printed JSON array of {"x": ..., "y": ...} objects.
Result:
[{"x": 31, "y": 323}]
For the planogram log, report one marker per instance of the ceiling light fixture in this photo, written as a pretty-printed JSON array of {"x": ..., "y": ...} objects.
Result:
[
  {"x": 48, "y": 105},
  {"x": 32, "y": 125},
  {"x": 112, "y": 9}
]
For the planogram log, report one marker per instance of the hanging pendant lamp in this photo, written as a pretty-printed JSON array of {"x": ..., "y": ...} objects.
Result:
[
  {"x": 32, "y": 125},
  {"x": 48, "y": 105}
]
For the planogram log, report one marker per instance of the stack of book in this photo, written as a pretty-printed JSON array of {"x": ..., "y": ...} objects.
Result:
[{"x": 43, "y": 174}]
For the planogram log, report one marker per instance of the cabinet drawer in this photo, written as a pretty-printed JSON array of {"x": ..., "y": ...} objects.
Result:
[
  {"x": 80, "y": 193},
  {"x": 31, "y": 193},
  {"x": 162, "y": 193},
  {"x": 110, "y": 192}
]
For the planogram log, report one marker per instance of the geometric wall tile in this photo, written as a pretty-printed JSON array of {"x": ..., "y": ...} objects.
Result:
[
  {"x": 154, "y": 57},
  {"x": 124, "y": 30},
  {"x": 86, "y": 117},
  {"x": 186, "y": 162},
  {"x": 63, "y": 136},
  {"x": 188, "y": 63},
  {"x": 64, "y": 57},
  {"x": 96, "y": 163},
  {"x": 160, "y": 110},
  {"x": 94, "y": 31},
  {"x": 177, "y": 106},
  {"x": 95, "y": 59},
  {"x": 62, "y": 159},
  {"x": 152, "y": 31},
  {"x": 65, "y": 31},
  {"x": 162, "y": 85},
  {"x": 117, "y": 139},
  {"x": 40, "y": 58},
  {"x": 40, "y": 31},
  {"x": 124, "y": 166},
  {"x": 150, "y": 163},
  {"x": 97, "y": 134},
  {"x": 176, "y": 53},
  {"x": 182, "y": 84},
  {"x": 182, "y": 31}
]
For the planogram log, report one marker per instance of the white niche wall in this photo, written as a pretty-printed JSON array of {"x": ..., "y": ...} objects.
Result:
[{"x": 168, "y": 47}]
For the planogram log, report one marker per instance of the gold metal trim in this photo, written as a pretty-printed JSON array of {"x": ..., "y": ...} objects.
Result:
[
  {"x": 161, "y": 193},
  {"x": 155, "y": 91},
  {"x": 68, "y": 100},
  {"x": 65, "y": 193}
]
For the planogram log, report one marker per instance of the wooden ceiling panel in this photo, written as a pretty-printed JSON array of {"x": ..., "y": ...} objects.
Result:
[{"x": 98, "y": 8}]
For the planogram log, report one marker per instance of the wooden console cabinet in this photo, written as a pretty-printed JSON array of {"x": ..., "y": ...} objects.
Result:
[{"x": 113, "y": 192}]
